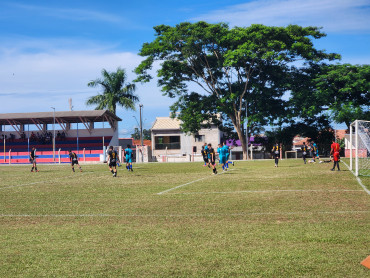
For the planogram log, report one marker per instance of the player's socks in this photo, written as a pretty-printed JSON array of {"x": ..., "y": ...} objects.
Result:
[
  {"x": 32, "y": 169},
  {"x": 73, "y": 169},
  {"x": 227, "y": 165},
  {"x": 112, "y": 171}
]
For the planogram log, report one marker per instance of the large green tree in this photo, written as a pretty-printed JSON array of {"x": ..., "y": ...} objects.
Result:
[
  {"x": 233, "y": 68},
  {"x": 115, "y": 91},
  {"x": 345, "y": 90}
]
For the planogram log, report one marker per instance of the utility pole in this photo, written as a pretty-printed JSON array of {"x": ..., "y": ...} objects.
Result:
[
  {"x": 141, "y": 133},
  {"x": 53, "y": 133},
  {"x": 246, "y": 126}
]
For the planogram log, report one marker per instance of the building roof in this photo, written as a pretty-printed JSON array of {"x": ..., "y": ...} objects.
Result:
[
  {"x": 138, "y": 143},
  {"x": 66, "y": 116},
  {"x": 166, "y": 123}
]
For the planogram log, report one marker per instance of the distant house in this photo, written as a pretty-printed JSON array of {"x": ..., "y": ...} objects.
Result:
[{"x": 169, "y": 140}]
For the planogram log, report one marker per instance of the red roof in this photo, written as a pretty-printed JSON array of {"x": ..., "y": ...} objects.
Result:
[{"x": 138, "y": 143}]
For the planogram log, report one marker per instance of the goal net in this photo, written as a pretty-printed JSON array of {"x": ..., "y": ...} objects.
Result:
[{"x": 360, "y": 148}]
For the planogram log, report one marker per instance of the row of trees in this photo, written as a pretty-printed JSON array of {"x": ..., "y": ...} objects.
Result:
[{"x": 259, "y": 74}]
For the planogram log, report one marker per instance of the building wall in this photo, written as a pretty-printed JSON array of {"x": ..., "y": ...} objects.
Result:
[{"x": 187, "y": 142}]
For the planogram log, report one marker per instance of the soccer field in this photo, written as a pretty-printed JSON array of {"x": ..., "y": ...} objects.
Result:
[{"x": 178, "y": 220}]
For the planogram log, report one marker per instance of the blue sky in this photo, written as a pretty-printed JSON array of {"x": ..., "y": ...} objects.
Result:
[{"x": 50, "y": 50}]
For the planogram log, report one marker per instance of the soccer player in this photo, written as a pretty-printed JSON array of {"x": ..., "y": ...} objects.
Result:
[
  {"x": 334, "y": 150},
  {"x": 113, "y": 159},
  {"x": 313, "y": 151},
  {"x": 317, "y": 152},
  {"x": 33, "y": 159},
  {"x": 227, "y": 154},
  {"x": 276, "y": 153},
  {"x": 219, "y": 153},
  {"x": 74, "y": 160},
  {"x": 128, "y": 156},
  {"x": 212, "y": 158},
  {"x": 204, "y": 152},
  {"x": 304, "y": 152}
]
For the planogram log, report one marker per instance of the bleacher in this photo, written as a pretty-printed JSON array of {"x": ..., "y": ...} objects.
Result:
[{"x": 89, "y": 149}]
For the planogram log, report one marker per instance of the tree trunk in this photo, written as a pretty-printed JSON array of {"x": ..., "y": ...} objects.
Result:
[{"x": 241, "y": 136}]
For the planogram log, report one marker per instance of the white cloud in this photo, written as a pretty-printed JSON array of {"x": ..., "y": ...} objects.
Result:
[
  {"x": 69, "y": 14},
  {"x": 334, "y": 16},
  {"x": 49, "y": 75}
]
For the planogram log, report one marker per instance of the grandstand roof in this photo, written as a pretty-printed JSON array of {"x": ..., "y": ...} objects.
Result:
[{"x": 65, "y": 116}]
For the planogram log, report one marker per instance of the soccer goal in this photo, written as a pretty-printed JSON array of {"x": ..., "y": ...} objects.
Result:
[
  {"x": 291, "y": 154},
  {"x": 360, "y": 148}
]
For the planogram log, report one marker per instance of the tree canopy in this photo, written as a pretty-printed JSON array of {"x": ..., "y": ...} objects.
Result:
[
  {"x": 345, "y": 90},
  {"x": 115, "y": 91},
  {"x": 233, "y": 68}
]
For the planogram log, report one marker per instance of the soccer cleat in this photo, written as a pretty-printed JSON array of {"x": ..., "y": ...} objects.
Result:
[
  {"x": 37, "y": 171},
  {"x": 31, "y": 171},
  {"x": 332, "y": 170}
]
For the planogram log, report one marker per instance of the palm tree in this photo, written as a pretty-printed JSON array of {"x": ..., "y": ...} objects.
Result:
[{"x": 115, "y": 91}]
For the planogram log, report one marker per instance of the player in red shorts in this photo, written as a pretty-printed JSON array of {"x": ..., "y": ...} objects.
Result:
[{"x": 334, "y": 151}]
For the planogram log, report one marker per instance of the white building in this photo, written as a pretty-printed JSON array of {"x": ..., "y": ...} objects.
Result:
[{"x": 169, "y": 143}]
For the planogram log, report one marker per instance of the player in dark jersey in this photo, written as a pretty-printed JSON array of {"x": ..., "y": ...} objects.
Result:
[
  {"x": 313, "y": 152},
  {"x": 74, "y": 160},
  {"x": 212, "y": 158},
  {"x": 128, "y": 157},
  {"x": 204, "y": 152},
  {"x": 304, "y": 152},
  {"x": 113, "y": 159},
  {"x": 276, "y": 153},
  {"x": 33, "y": 159}
]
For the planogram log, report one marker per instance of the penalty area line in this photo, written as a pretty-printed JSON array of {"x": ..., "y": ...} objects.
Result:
[{"x": 185, "y": 184}]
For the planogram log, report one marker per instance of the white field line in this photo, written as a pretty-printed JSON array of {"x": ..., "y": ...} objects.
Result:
[
  {"x": 44, "y": 181},
  {"x": 269, "y": 191},
  {"x": 185, "y": 184},
  {"x": 186, "y": 215},
  {"x": 358, "y": 180}
]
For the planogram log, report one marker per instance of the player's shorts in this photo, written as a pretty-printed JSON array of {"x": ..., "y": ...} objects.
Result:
[
  {"x": 223, "y": 159},
  {"x": 128, "y": 159},
  {"x": 205, "y": 159},
  {"x": 227, "y": 157},
  {"x": 212, "y": 162},
  {"x": 336, "y": 156},
  {"x": 112, "y": 163},
  {"x": 74, "y": 161},
  {"x": 32, "y": 160}
]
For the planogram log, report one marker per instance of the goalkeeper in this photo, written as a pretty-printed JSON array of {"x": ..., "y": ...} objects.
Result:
[{"x": 334, "y": 151}]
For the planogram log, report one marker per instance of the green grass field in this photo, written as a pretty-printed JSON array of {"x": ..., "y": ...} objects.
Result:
[{"x": 253, "y": 221}]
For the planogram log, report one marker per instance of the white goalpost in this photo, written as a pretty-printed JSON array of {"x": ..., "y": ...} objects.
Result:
[{"x": 360, "y": 148}]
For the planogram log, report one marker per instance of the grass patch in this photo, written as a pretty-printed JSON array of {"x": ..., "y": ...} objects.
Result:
[{"x": 255, "y": 221}]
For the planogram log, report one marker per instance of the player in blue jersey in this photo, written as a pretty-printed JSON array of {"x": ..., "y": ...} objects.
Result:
[
  {"x": 128, "y": 156},
  {"x": 227, "y": 154},
  {"x": 219, "y": 153},
  {"x": 223, "y": 158}
]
